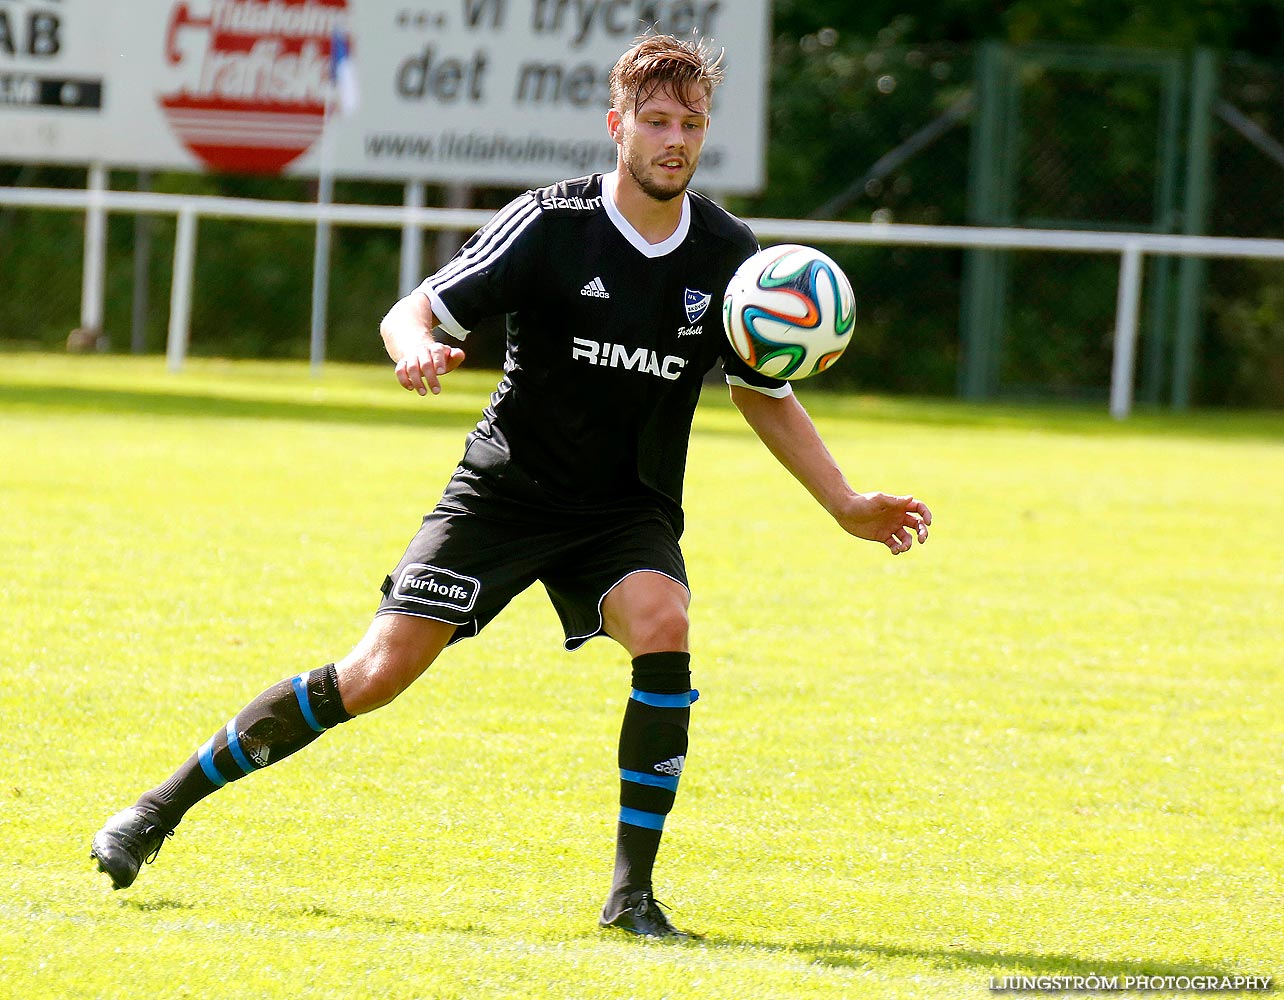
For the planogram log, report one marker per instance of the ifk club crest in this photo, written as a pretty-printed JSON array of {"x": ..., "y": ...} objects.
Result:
[
  {"x": 254, "y": 76},
  {"x": 696, "y": 303}
]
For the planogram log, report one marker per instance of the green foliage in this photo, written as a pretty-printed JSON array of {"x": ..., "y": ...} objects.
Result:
[
  {"x": 252, "y": 289},
  {"x": 1256, "y": 27},
  {"x": 39, "y": 253},
  {"x": 1249, "y": 329},
  {"x": 840, "y": 102},
  {"x": 1045, "y": 743}
]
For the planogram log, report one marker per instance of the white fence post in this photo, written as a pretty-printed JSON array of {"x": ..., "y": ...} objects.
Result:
[
  {"x": 321, "y": 275},
  {"x": 94, "y": 275},
  {"x": 180, "y": 293},
  {"x": 412, "y": 242},
  {"x": 142, "y": 273},
  {"x": 1125, "y": 354}
]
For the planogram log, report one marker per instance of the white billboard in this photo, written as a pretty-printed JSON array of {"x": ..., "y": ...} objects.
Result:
[{"x": 506, "y": 92}]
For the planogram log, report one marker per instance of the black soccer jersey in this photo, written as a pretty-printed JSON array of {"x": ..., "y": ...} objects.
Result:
[{"x": 609, "y": 339}]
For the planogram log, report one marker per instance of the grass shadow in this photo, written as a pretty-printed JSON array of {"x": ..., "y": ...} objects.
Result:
[
  {"x": 386, "y": 922},
  {"x": 462, "y": 408},
  {"x": 207, "y": 406},
  {"x": 857, "y": 955},
  {"x": 459, "y": 412},
  {"x": 155, "y": 905},
  {"x": 1077, "y": 419}
]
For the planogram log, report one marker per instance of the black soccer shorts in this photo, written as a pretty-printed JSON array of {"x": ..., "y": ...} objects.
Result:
[{"x": 465, "y": 565}]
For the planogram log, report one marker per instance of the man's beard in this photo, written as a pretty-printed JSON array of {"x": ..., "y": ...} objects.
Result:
[{"x": 653, "y": 189}]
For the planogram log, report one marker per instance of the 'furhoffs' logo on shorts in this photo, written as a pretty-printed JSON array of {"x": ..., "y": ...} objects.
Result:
[{"x": 426, "y": 584}]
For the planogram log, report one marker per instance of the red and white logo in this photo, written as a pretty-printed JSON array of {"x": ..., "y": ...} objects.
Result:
[{"x": 254, "y": 76}]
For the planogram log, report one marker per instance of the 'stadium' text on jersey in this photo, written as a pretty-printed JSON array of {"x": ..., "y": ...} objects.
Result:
[{"x": 609, "y": 339}]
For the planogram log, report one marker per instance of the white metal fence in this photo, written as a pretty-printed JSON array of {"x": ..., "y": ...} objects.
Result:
[{"x": 97, "y": 203}]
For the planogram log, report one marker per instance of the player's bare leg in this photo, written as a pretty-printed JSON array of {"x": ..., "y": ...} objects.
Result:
[
  {"x": 279, "y": 722},
  {"x": 394, "y": 652},
  {"x": 647, "y": 614}
]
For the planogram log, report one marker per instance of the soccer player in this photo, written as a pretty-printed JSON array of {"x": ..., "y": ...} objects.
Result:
[{"x": 573, "y": 476}]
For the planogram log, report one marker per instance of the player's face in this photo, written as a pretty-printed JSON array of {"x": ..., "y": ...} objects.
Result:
[{"x": 660, "y": 143}]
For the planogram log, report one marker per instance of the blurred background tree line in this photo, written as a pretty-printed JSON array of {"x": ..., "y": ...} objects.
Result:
[{"x": 870, "y": 114}]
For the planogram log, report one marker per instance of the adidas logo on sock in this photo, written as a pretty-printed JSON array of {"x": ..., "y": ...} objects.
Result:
[
  {"x": 596, "y": 289},
  {"x": 672, "y": 766}
]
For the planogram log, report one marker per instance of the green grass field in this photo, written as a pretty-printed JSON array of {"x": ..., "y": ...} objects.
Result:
[{"x": 1050, "y": 742}]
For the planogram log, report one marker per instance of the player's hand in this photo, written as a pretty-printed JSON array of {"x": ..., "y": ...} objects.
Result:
[
  {"x": 420, "y": 367},
  {"x": 880, "y": 517}
]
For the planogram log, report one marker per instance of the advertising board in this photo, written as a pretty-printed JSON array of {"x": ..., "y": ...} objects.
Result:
[{"x": 503, "y": 92}]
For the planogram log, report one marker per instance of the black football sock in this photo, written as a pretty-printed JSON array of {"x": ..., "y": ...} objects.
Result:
[
  {"x": 283, "y": 719},
  {"x": 653, "y": 749}
]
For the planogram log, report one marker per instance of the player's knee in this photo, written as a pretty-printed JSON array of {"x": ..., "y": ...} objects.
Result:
[
  {"x": 662, "y": 626},
  {"x": 370, "y": 680},
  {"x": 373, "y": 676},
  {"x": 393, "y": 653}
]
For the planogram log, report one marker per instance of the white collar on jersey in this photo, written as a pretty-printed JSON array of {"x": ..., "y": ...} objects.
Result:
[{"x": 632, "y": 235}]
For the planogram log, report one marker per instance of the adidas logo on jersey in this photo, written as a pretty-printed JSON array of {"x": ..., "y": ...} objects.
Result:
[
  {"x": 672, "y": 766},
  {"x": 595, "y": 289}
]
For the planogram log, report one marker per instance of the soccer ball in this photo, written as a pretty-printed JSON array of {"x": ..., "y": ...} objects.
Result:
[{"x": 789, "y": 311}]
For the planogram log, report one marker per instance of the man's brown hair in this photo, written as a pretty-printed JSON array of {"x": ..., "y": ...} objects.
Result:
[{"x": 658, "y": 62}]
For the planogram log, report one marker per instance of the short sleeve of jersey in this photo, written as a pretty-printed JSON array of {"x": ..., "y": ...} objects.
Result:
[
  {"x": 739, "y": 373},
  {"x": 490, "y": 274}
]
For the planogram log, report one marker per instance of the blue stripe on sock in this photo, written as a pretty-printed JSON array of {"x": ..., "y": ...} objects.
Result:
[
  {"x": 234, "y": 744},
  {"x": 301, "y": 693},
  {"x": 636, "y": 817},
  {"x": 206, "y": 757},
  {"x": 669, "y": 781},
  {"x": 664, "y": 700}
]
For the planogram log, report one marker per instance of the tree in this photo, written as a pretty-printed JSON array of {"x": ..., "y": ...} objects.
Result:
[{"x": 1255, "y": 28}]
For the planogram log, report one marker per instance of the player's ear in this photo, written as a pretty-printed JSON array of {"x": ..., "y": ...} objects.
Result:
[{"x": 614, "y": 125}]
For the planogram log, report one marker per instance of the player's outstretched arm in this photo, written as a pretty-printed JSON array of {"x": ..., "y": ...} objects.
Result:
[
  {"x": 407, "y": 336},
  {"x": 787, "y": 430}
]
